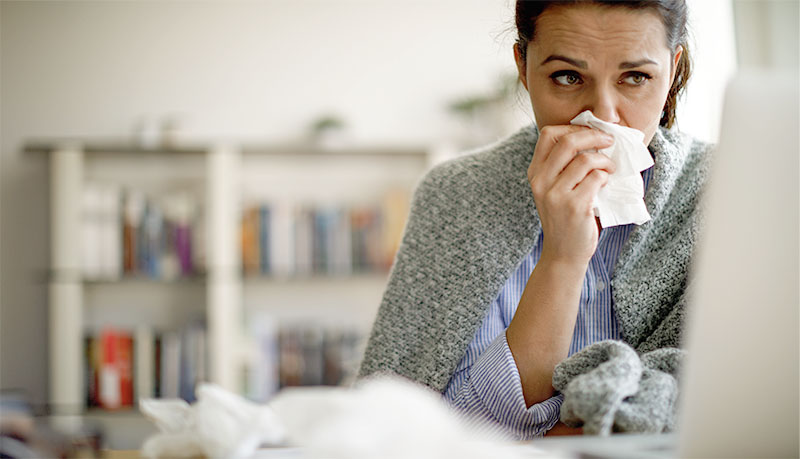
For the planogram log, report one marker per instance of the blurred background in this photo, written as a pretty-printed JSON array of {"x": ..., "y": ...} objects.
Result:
[{"x": 213, "y": 191}]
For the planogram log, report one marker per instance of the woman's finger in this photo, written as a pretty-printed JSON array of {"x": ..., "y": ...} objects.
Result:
[
  {"x": 566, "y": 150},
  {"x": 588, "y": 188},
  {"x": 549, "y": 137},
  {"x": 580, "y": 166}
]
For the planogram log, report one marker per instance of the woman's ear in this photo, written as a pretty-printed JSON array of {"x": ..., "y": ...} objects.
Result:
[
  {"x": 675, "y": 59},
  {"x": 521, "y": 66}
]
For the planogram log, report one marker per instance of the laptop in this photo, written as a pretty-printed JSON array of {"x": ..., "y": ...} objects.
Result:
[{"x": 739, "y": 389}]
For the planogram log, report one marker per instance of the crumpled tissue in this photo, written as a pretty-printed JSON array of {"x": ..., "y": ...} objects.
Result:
[
  {"x": 384, "y": 417},
  {"x": 621, "y": 201},
  {"x": 219, "y": 424}
]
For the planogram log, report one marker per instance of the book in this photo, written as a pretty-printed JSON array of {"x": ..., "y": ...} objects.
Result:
[
  {"x": 133, "y": 208},
  {"x": 263, "y": 366},
  {"x": 282, "y": 241},
  {"x": 125, "y": 365},
  {"x": 115, "y": 384},
  {"x": 264, "y": 227},
  {"x": 91, "y": 371},
  {"x": 170, "y": 364},
  {"x": 250, "y": 241},
  {"x": 110, "y": 233},
  {"x": 312, "y": 355},
  {"x": 91, "y": 229},
  {"x": 145, "y": 363},
  {"x": 192, "y": 360},
  {"x": 303, "y": 240},
  {"x": 341, "y": 249}
]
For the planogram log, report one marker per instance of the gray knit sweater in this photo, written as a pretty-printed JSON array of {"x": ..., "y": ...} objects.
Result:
[{"x": 473, "y": 220}]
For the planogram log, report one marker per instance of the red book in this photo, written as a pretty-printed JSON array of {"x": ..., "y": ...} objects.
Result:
[
  {"x": 108, "y": 380},
  {"x": 125, "y": 366},
  {"x": 116, "y": 369}
]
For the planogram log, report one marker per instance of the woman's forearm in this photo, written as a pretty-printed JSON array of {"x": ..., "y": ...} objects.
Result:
[{"x": 541, "y": 331}]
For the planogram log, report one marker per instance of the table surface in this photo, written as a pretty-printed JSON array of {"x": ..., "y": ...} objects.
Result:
[{"x": 121, "y": 454}]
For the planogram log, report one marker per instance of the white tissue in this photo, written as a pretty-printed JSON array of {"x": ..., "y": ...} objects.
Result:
[
  {"x": 621, "y": 201},
  {"x": 220, "y": 424},
  {"x": 384, "y": 418},
  {"x": 388, "y": 418}
]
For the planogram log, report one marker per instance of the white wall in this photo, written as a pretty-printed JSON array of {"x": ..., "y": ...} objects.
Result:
[
  {"x": 259, "y": 70},
  {"x": 713, "y": 50},
  {"x": 767, "y": 34}
]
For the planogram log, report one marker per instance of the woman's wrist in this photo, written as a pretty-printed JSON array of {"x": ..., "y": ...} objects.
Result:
[{"x": 567, "y": 268}]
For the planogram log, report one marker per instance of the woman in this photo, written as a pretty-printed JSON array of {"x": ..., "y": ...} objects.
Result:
[{"x": 503, "y": 271}]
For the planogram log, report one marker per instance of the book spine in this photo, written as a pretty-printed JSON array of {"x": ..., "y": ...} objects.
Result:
[
  {"x": 110, "y": 233},
  {"x": 283, "y": 240},
  {"x": 91, "y": 229},
  {"x": 183, "y": 247},
  {"x": 91, "y": 373},
  {"x": 157, "y": 348},
  {"x": 133, "y": 209},
  {"x": 250, "y": 241},
  {"x": 109, "y": 375},
  {"x": 264, "y": 227},
  {"x": 145, "y": 365},
  {"x": 125, "y": 366},
  {"x": 304, "y": 241},
  {"x": 170, "y": 364},
  {"x": 342, "y": 243}
]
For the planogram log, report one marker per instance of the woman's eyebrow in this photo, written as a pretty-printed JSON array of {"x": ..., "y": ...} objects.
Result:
[
  {"x": 634, "y": 64},
  {"x": 568, "y": 60}
]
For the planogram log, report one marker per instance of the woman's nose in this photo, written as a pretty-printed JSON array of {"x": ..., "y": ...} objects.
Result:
[{"x": 603, "y": 104}]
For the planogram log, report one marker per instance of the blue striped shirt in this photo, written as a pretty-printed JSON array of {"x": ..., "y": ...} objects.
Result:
[{"x": 486, "y": 384}]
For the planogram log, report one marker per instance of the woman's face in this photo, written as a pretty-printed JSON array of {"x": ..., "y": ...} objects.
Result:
[{"x": 613, "y": 61}]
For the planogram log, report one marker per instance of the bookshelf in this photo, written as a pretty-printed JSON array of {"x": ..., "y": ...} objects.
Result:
[{"x": 333, "y": 290}]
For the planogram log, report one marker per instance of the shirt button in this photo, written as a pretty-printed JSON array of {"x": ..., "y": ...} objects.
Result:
[{"x": 600, "y": 285}]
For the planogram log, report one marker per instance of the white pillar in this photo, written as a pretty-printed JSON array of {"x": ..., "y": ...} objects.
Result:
[
  {"x": 66, "y": 289},
  {"x": 224, "y": 287}
]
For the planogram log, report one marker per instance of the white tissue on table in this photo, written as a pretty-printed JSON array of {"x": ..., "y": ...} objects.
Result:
[
  {"x": 382, "y": 417},
  {"x": 219, "y": 424},
  {"x": 621, "y": 201}
]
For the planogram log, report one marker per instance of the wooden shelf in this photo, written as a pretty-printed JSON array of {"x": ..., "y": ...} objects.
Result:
[
  {"x": 122, "y": 146},
  {"x": 111, "y": 146}
]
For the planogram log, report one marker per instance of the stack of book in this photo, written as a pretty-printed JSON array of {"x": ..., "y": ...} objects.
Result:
[
  {"x": 127, "y": 233},
  {"x": 122, "y": 367},
  {"x": 281, "y": 239},
  {"x": 302, "y": 355}
]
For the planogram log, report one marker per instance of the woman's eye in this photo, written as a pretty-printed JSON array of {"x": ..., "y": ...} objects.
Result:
[
  {"x": 636, "y": 79},
  {"x": 566, "y": 78}
]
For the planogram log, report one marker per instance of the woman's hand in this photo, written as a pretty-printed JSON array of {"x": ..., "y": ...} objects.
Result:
[
  {"x": 565, "y": 175},
  {"x": 561, "y": 429}
]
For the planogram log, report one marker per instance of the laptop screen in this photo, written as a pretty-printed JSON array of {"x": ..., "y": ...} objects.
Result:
[{"x": 740, "y": 383}]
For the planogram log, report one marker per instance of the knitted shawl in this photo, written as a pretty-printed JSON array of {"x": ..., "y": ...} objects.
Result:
[{"x": 473, "y": 220}]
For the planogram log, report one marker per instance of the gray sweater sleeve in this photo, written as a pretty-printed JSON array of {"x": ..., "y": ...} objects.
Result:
[{"x": 608, "y": 387}]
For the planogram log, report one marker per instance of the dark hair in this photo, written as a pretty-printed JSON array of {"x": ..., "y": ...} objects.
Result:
[{"x": 673, "y": 14}]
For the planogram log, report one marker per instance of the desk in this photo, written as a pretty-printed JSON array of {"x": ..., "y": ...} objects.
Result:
[
  {"x": 617, "y": 446},
  {"x": 263, "y": 453},
  {"x": 121, "y": 454}
]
